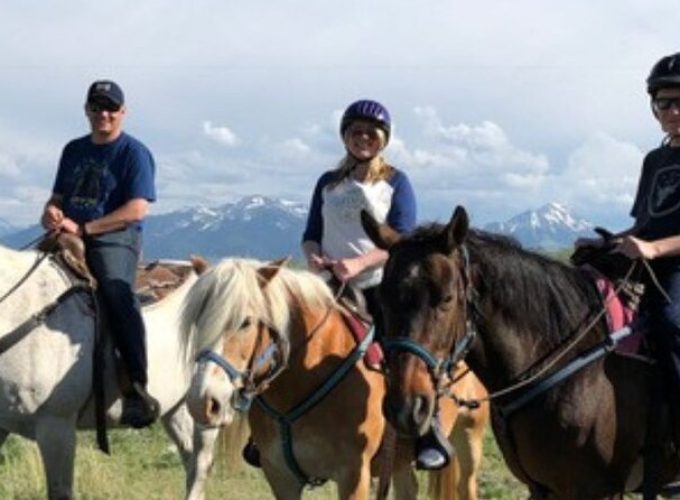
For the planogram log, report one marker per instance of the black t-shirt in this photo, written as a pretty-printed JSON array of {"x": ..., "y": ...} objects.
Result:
[{"x": 657, "y": 203}]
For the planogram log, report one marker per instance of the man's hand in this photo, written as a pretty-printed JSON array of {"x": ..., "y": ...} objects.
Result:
[
  {"x": 69, "y": 226},
  {"x": 52, "y": 217}
]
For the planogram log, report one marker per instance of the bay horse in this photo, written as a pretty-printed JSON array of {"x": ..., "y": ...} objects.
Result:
[
  {"x": 452, "y": 293},
  {"x": 47, "y": 334},
  {"x": 272, "y": 341}
]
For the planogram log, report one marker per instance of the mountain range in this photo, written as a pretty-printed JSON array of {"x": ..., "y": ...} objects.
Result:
[
  {"x": 550, "y": 227},
  {"x": 264, "y": 228}
]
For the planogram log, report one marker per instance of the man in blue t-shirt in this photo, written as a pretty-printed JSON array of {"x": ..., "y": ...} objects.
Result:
[{"x": 102, "y": 192}]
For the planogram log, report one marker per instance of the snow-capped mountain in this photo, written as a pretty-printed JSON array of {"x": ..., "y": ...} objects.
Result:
[
  {"x": 255, "y": 226},
  {"x": 549, "y": 228},
  {"x": 268, "y": 228}
]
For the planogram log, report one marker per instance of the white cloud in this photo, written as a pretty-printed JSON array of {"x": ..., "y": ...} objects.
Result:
[
  {"x": 600, "y": 177},
  {"x": 220, "y": 134},
  {"x": 511, "y": 120}
]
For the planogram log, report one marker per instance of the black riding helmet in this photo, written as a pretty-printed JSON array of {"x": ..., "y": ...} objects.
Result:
[{"x": 664, "y": 74}]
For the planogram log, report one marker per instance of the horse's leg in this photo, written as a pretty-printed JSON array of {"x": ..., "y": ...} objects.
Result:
[
  {"x": 3, "y": 437},
  {"x": 56, "y": 439},
  {"x": 356, "y": 485},
  {"x": 283, "y": 486},
  {"x": 404, "y": 478},
  {"x": 196, "y": 448},
  {"x": 468, "y": 439}
]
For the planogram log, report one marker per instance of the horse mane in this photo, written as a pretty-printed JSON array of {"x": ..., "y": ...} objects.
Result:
[
  {"x": 513, "y": 278},
  {"x": 232, "y": 291}
]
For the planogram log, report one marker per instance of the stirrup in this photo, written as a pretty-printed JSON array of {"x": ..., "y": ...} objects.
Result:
[
  {"x": 251, "y": 454},
  {"x": 140, "y": 409},
  {"x": 433, "y": 450}
]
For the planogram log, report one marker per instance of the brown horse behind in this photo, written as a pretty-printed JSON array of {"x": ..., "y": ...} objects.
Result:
[
  {"x": 275, "y": 337},
  {"x": 451, "y": 294}
]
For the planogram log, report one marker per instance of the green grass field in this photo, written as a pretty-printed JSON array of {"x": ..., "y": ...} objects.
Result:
[{"x": 145, "y": 466}]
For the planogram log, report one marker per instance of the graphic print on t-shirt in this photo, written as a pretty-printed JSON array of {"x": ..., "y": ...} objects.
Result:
[
  {"x": 89, "y": 177},
  {"x": 665, "y": 192}
]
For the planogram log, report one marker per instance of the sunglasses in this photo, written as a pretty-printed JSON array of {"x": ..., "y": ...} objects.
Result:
[
  {"x": 665, "y": 103},
  {"x": 97, "y": 107}
]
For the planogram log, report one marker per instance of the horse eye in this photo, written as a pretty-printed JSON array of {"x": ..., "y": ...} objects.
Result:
[{"x": 246, "y": 323}]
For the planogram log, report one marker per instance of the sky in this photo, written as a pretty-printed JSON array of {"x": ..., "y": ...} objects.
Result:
[{"x": 499, "y": 106}]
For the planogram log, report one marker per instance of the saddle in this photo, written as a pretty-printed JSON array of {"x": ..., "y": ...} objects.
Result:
[
  {"x": 357, "y": 319},
  {"x": 620, "y": 290}
]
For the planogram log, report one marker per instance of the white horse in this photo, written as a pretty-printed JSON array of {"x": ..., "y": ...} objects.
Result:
[{"x": 46, "y": 370}]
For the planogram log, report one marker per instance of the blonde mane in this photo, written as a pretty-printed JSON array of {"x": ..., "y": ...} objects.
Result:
[{"x": 232, "y": 291}]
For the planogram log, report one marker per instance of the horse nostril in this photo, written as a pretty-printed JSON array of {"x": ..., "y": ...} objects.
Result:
[
  {"x": 213, "y": 407},
  {"x": 422, "y": 410}
]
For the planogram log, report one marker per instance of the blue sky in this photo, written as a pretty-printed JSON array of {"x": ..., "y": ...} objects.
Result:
[{"x": 498, "y": 105}]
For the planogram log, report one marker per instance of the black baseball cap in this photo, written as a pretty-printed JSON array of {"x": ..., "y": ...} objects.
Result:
[{"x": 105, "y": 90}]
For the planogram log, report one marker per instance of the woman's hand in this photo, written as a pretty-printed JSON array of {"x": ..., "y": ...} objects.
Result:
[
  {"x": 346, "y": 269},
  {"x": 317, "y": 263}
]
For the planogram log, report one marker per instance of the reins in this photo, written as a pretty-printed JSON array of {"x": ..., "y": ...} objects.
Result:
[{"x": 563, "y": 352}]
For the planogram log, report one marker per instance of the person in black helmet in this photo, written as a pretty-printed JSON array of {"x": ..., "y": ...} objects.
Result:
[
  {"x": 655, "y": 235},
  {"x": 334, "y": 239}
]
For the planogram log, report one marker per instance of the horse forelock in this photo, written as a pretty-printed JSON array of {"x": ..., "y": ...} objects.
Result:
[{"x": 232, "y": 291}]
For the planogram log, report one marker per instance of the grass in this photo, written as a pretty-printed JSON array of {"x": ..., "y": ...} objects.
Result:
[{"x": 145, "y": 466}]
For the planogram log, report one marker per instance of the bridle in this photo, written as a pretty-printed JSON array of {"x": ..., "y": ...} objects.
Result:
[
  {"x": 275, "y": 356},
  {"x": 441, "y": 369}
]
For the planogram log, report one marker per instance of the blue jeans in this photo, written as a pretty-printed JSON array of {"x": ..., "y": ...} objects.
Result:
[
  {"x": 664, "y": 323},
  {"x": 113, "y": 259}
]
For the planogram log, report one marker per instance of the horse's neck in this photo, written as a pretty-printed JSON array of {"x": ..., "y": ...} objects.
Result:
[
  {"x": 319, "y": 341},
  {"x": 162, "y": 318},
  {"x": 27, "y": 285},
  {"x": 169, "y": 366},
  {"x": 513, "y": 340}
]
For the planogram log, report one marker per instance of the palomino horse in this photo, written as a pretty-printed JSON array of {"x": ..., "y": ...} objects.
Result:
[
  {"x": 450, "y": 293},
  {"x": 275, "y": 336},
  {"x": 46, "y": 369}
]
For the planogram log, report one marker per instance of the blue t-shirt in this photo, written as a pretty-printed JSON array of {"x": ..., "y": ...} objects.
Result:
[{"x": 96, "y": 179}]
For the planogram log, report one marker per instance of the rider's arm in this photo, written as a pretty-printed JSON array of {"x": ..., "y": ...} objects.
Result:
[{"x": 131, "y": 212}]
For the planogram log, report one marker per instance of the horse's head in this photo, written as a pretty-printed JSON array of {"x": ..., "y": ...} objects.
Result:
[
  {"x": 423, "y": 296},
  {"x": 238, "y": 347}
]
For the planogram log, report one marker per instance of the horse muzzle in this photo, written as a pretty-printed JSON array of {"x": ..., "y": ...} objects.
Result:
[{"x": 410, "y": 414}]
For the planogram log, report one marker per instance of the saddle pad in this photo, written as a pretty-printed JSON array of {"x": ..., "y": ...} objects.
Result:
[
  {"x": 618, "y": 315},
  {"x": 359, "y": 329}
]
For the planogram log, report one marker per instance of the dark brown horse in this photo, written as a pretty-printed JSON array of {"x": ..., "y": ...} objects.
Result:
[{"x": 451, "y": 293}]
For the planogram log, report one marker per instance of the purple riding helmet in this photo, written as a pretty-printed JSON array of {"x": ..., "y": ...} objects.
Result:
[{"x": 367, "y": 110}]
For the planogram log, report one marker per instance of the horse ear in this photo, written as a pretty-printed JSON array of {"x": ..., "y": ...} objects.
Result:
[
  {"x": 199, "y": 264},
  {"x": 456, "y": 230},
  {"x": 268, "y": 271},
  {"x": 381, "y": 234}
]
